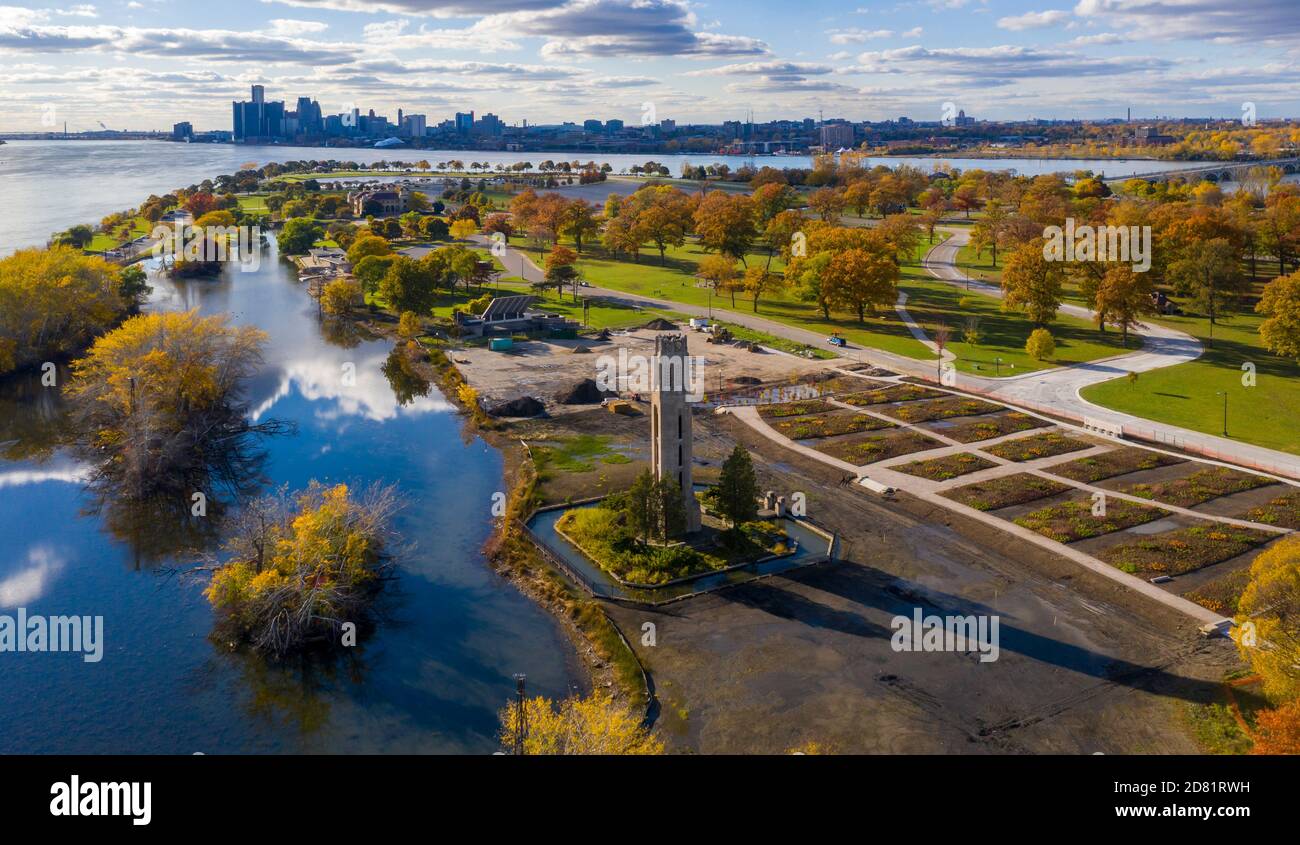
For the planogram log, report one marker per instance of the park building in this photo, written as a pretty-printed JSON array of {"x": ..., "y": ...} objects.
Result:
[{"x": 380, "y": 202}]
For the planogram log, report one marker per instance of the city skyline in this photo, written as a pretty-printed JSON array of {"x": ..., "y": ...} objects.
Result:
[{"x": 141, "y": 65}]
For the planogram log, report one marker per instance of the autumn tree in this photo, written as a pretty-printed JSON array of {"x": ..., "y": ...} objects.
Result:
[
  {"x": 408, "y": 285},
  {"x": 1208, "y": 274},
  {"x": 724, "y": 223},
  {"x": 1267, "y": 629},
  {"x": 1041, "y": 346},
  {"x": 55, "y": 301},
  {"x": 1277, "y": 731},
  {"x": 1123, "y": 297},
  {"x": 340, "y": 296},
  {"x": 578, "y": 220},
  {"x": 1280, "y": 305},
  {"x": 827, "y": 204},
  {"x": 861, "y": 279},
  {"x": 719, "y": 272},
  {"x": 367, "y": 244},
  {"x": 576, "y": 726},
  {"x": 759, "y": 281},
  {"x": 298, "y": 568},
  {"x": 1032, "y": 284},
  {"x": 162, "y": 395}
]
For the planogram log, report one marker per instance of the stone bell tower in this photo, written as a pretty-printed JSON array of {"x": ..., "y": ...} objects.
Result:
[{"x": 670, "y": 419}]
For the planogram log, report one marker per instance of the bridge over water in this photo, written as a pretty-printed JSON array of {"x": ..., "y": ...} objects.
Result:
[{"x": 1225, "y": 171}]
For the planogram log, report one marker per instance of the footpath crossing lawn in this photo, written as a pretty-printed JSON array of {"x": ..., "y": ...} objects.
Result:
[
  {"x": 1186, "y": 395},
  {"x": 930, "y": 302}
]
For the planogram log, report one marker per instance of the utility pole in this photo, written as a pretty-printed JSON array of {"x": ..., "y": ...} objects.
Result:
[{"x": 521, "y": 722}]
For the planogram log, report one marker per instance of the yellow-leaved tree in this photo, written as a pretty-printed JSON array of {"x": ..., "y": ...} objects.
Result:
[
  {"x": 301, "y": 566},
  {"x": 593, "y": 725},
  {"x": 1268, "y": 621},
  {"x": 54, "y": 302}
]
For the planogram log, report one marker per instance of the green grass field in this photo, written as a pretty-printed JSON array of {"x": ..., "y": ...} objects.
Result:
[
  {"x": 1186, "y": 395},
  {"x": 930, "y": 302}
]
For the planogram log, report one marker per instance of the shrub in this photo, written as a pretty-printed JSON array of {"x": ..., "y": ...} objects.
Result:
[{"x": 1041, "y": 345}]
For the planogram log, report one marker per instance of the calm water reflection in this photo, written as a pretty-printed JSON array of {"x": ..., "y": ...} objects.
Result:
[{"x": 431, "y": 677}]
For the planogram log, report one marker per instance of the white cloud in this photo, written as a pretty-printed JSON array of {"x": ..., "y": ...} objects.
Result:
[{"x": 1033, "y": 20}]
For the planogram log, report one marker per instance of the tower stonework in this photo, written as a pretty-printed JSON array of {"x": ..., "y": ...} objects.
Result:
[{"x": 670, "y": 420}]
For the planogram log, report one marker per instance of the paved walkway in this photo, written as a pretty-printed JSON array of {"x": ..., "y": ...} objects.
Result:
[
  {"x": 1057, "y": 390},
  {"x": 1054, "y": 391}
]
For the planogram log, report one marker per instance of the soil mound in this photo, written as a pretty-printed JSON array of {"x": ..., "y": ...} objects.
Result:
[
  {"x": 659, "y": 324},
  {"x": 524, "y": 406},
  {"x": 584, "y": 392}
]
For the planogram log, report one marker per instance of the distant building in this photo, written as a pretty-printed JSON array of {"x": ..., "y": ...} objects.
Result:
[
  {"x": 490, "y": 125},
  {"x": 182, "y": 131},
  {"x": 963, "y": 120},
  {"x": 593, "y": 125},
  {"x": 836, "y": 136},
  {"x": 380, "y": 202},
  {"x": 465, "y": 122},
  {"x": 613, "y": 125},
  {"x": 412, "y": 126}
]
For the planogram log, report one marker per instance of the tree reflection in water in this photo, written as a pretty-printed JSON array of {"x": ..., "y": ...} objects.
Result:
[{"x": 406, "y": 381}]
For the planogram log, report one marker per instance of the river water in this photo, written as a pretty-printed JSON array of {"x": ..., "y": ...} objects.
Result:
[
  {"x": 431, "y": 677},
  {"x": 51, "y": 185}
]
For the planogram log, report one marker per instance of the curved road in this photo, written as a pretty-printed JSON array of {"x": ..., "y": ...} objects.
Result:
[{"x": 1054, "y": 391}]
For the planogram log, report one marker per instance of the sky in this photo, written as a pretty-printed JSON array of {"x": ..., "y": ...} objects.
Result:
[{"x": 146, "y": 64}]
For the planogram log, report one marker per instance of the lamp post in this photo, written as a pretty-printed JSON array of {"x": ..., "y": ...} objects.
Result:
[
  {"x": 997, "y": 366},
  {"x": 1224, "y": 394}
]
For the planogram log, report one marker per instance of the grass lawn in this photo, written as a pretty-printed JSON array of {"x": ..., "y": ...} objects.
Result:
[
  {"x": 1186, "y": 395},
  {"x": 102, "y": 242},
  {"x": 254, "y": 204},
  {"x": 930, "y": 302}
]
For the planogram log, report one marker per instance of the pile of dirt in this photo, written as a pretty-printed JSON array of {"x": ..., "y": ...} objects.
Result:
[
  {"x": 581, "y": 350},
  {"x": 603, "y": 334},
  {"x": 746, "y": 380},
  {"x": 524, "y": 406},
  {"x": 584, "y": 392},
  {"x": 659, "y": 324}
]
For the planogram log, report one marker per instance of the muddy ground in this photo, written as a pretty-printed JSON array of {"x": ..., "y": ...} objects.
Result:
[{"x": 1084, "y": 666}]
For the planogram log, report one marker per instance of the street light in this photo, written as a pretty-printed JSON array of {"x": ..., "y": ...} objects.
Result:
[
  {"x": 1224, "y": 394},
  {"x": 997, "y": 366}
]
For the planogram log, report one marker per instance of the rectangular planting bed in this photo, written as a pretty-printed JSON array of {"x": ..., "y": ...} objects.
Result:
[
  {"x": 829, "y": 425},
  {"x": 893, "y": 393},
  {"x": 870, "y": 448},
  {"x": 1005, "y": 491},
  {"x": 1069, "y": 521},
  {"x": 1201, "y": 486},
  {"x": 1120, "y": 461},
  {"x": 989, "y": 426},
  {"x": 794, "y": 409},
  {"x": 1184, "y": 550},
  {"x": 1282, "y": 511},
  {"x": 940, "y": 409},
  {"x": 942, "y": 469},
  {"x": 1037, "y": 446}
]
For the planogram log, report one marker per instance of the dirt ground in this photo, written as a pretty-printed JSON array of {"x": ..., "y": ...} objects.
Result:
[
  {"x": 1084, "y": 667},
  {"x": 543, "y": 368}
]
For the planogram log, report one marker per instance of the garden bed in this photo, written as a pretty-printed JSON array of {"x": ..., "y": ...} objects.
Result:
[
  {"x": 1037, "y": 446},
  {"x": 942, "y": 469},
  {"x": 1073, "y": 520},
  {"x": 941, "y": 409},
  {"x": 1109, "y": 464},
  {"x": 1282, "y": 511},
  {"x": 871, "y": 448},
  {"x": 1005, "y": 491},
  {"x": 990, "y": 426},
  {"x": 1201, "y": 486},
  {"x": 599, "y": 534},
  {"x": 829, "y": 425},
  {"x": 794, "y": 409},
  {"x": 1184, "y": 550},
  {"x": 893, "y": 393},
  {"x": 1221, "y": 594}
]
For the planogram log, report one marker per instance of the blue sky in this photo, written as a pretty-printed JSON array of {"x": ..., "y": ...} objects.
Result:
[{"x": 146, "y": 64}]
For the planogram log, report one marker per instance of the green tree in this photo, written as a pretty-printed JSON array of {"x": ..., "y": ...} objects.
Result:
[
  {"x": 408, "y": 286},
  {"x": 298, "y": 235},
  {"x": 1041, "y": 346},
  {"x": 1280, "y": 306},
  {"x": 736, "y": 493},
  {"x": 1032, "y": 284}
]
